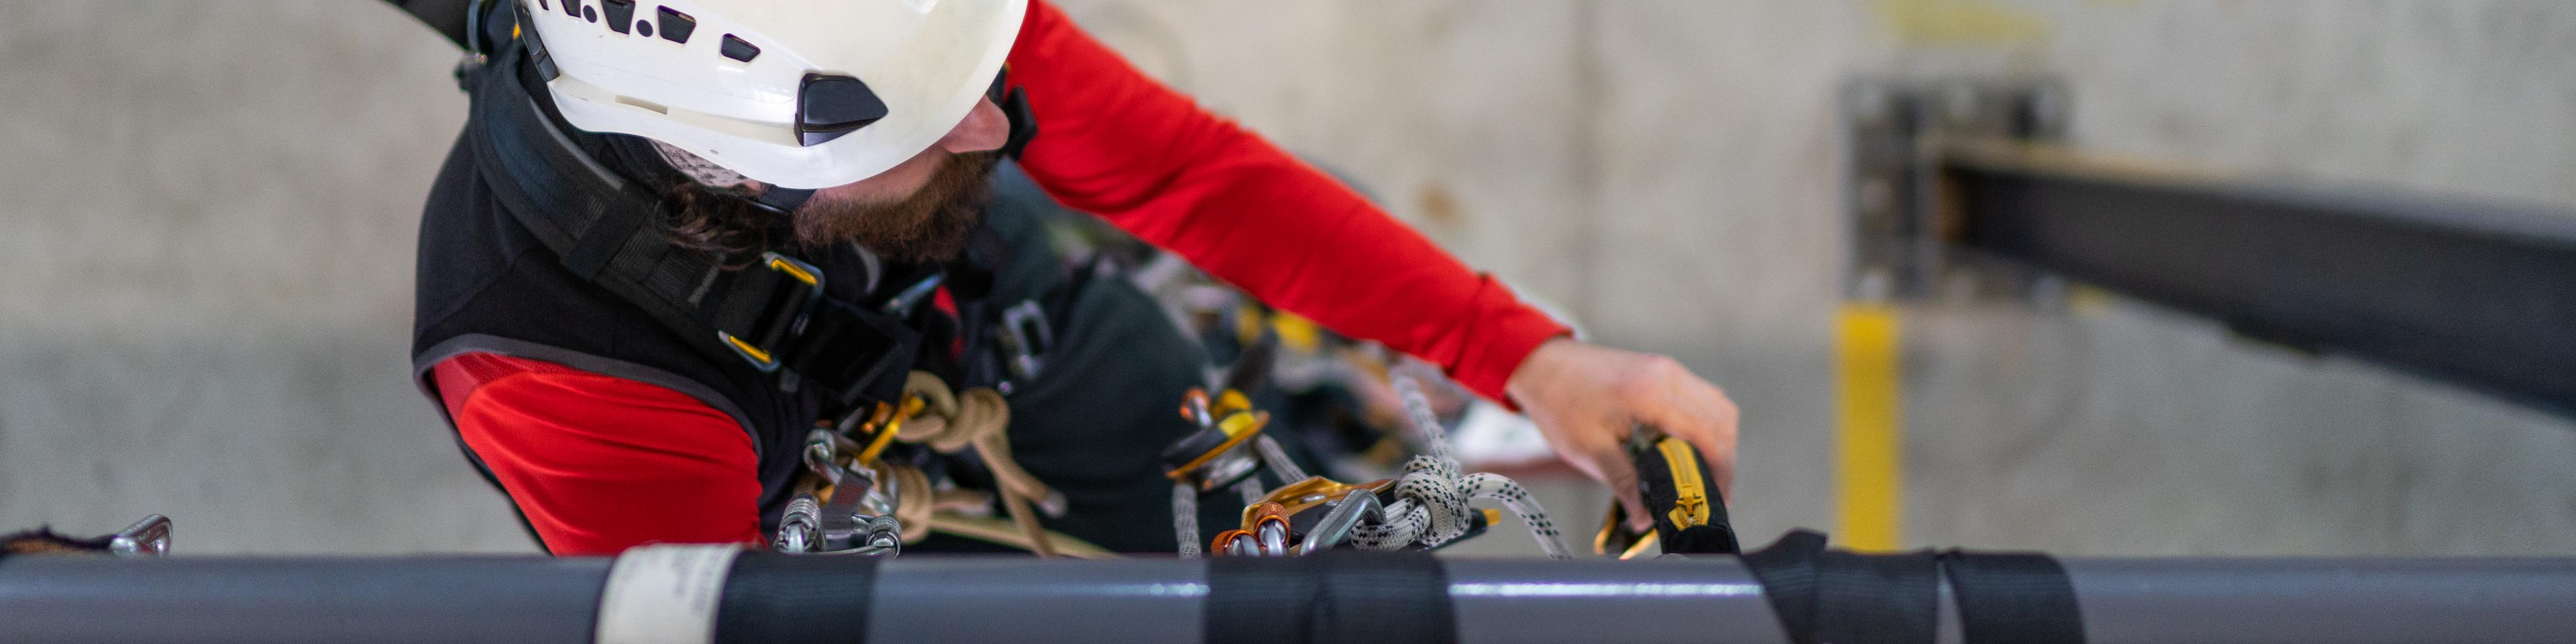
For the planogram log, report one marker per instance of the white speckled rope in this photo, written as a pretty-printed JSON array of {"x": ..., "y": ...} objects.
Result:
[
  {"x": 1276, "y": 458},
  {"x": 1431, "y": 498},
  {"x": 1185, "y": 518}
]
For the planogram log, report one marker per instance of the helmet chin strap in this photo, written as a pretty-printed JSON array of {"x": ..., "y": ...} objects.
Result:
[
  {"x": 782, "y": 200},
  {"x": 707, "y": 173}
]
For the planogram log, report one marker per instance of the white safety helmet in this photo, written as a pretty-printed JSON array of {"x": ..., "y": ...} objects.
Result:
[{"x": 793, "y": 93}]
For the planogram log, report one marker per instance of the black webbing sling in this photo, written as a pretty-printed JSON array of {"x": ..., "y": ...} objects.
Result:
[
  {"x": 2013, "y": 598},
  {"x": 1841, "y": 597},
  {"x": 771, "y": 597},
  {"x": 1335, "y": 597},
  {"x": 1826, "y": 596}
]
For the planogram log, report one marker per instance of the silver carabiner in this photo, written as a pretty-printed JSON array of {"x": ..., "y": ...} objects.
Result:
[
  {"x": 1335, "y": 528},
  {"x": 149, "y": 537}
]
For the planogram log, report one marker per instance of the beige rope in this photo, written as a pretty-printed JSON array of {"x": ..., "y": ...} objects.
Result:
[
  {"x": 924, "y": 510},
  {"x": 993, "y": 530},
  {"x": 950, "y": 422},
  {"x": 913, "y": 499}
]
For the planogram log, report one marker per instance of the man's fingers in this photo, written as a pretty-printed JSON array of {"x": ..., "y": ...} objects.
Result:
[
  {"x": 1700, "y": 414},
  {"x": 1622, "y": 477},
  {"x": 1586, "y": 399},
  {"x": 1719, "y": 445}
]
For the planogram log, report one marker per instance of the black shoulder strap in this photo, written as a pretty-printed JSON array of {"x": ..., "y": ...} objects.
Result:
[{"x": 610, "y": 232}]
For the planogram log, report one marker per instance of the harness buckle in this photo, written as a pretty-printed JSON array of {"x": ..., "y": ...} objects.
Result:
[
  {"x": 1025, "y": 338},
  {"x": 765, "y": 359}
]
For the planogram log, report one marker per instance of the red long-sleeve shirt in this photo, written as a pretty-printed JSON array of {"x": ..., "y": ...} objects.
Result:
[{"x": 599, "y": 464}]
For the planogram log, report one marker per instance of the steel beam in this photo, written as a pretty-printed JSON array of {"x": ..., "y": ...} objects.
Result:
[
  {"x": 1954, "y": 190},
  {"x": 59, "y": 600},
  {"x": 2478, "y": 294}
]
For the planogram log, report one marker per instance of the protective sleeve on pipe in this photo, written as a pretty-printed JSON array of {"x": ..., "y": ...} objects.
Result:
[
  {"x": 2013, "y": 598},
  {"x": 787, "y": 598},
  {"x": 1838, "y": 597},
  {"x": 1338, "y": 596},
  {"x": 664, "y": 594}
]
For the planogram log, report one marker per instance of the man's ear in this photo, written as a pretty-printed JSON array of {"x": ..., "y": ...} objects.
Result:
[{"x": 984, "y": 129}]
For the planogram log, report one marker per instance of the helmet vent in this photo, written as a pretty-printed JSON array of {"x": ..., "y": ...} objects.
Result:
[
  {"x": 739, "y": 49},
  {"x": 676, "y": 26},
  {"x": 621, "y": 14}
]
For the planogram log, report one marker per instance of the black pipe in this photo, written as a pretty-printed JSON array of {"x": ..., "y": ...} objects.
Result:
[{"x": 494, "y": 600}]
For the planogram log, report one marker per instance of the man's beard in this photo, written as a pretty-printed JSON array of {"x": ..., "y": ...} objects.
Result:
[{"x": 929, "y": 226}]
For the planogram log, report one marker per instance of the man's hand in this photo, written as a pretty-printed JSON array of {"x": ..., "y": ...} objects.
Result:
[{"x": 1586, "y": 398}]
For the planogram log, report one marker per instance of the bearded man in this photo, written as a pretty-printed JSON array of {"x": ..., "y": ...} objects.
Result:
[{"x": 679, "y": 236}]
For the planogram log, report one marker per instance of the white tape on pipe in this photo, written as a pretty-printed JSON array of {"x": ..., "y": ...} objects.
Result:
[{"x": 664, "y": 594}]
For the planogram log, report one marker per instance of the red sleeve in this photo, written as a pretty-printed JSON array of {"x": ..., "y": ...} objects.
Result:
[
  {"x": 600, "y": 464},
  {"x": 1113, "y": 142}
]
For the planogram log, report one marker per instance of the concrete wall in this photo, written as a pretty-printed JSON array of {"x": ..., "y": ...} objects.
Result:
[{"x": 205, "y": 294}]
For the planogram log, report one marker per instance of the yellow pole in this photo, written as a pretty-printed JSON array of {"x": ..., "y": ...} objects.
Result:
[{"x": 1869, "y": 446}]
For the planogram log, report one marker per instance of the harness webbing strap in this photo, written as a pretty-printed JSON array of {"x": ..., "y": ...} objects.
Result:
[
  {"x": 608, "y": 234},
  {"x": 2013, "y": 598},
  {"x": 563, "y": 198},
  {"x": 770, "y": 597},
  {"x": 1337, "y": 597},
  {"x": 783, "y": 199}
]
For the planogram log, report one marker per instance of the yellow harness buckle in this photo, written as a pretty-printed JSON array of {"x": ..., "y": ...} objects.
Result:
[{"x": 795, "y": 269}]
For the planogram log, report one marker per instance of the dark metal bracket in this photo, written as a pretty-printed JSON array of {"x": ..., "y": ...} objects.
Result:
[{"x": 1894, "y": 136}]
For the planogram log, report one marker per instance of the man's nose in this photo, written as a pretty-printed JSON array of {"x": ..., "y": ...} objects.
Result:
[{"x": 984, "y": 129}]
